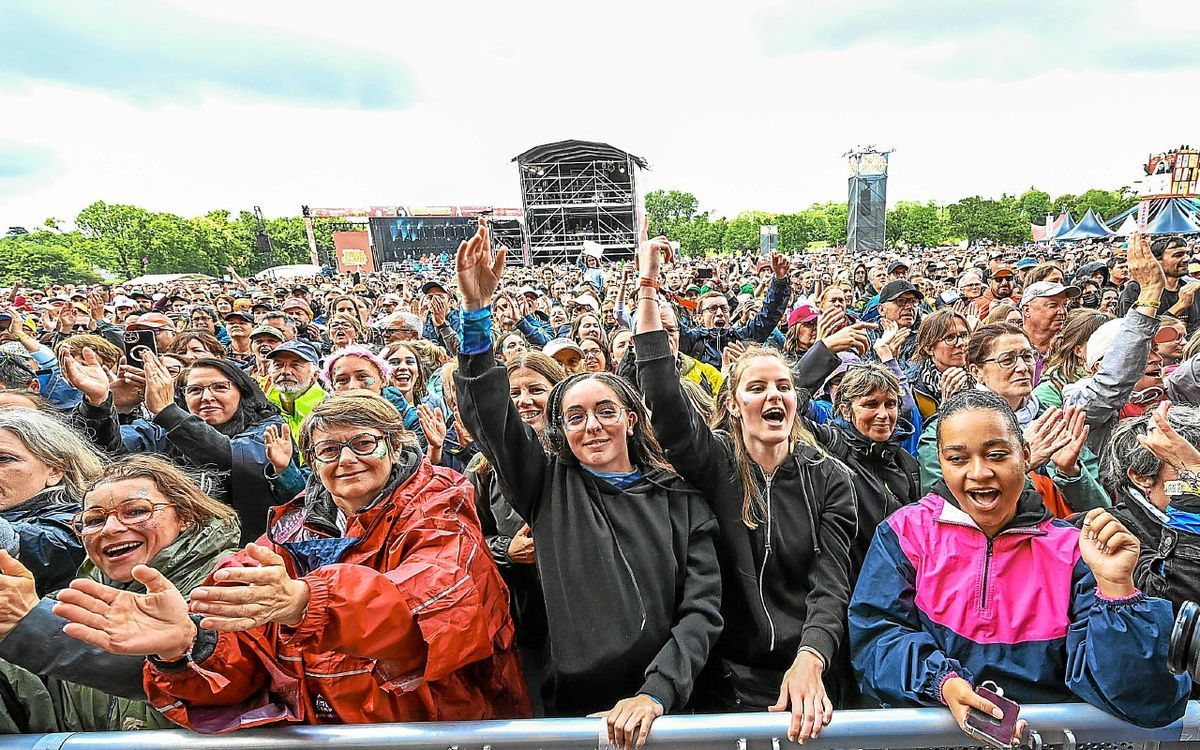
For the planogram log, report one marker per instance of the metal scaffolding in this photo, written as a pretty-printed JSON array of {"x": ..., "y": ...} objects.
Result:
[{"x": 576, "y": 191}]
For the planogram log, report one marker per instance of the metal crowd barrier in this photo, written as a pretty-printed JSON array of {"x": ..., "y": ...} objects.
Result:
[{"x": 1068, "y": 725}]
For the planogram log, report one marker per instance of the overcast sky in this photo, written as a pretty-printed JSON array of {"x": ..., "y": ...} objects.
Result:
[{"x": 188, "y": 106}]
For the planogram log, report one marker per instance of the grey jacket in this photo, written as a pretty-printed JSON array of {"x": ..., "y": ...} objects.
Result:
[{"x": 1102, "y": 395}]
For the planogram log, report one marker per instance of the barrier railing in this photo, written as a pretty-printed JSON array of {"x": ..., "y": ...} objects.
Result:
[{"x": 1060, "y": 724}]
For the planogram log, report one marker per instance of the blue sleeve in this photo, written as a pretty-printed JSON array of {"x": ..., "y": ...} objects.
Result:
[
  {"x": 288, "y": 483},
  {"x": 1117, "y": 655},
  {"x": 761, "y": 325},
  {"x": 144, "y": 437},
  {"x": 476, "y": 331},
  {"x": 895, "y": 659},
  {"x": 535, "y": 329}
]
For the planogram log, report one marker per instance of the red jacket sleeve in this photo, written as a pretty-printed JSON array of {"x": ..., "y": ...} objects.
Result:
[{"x": 436, "y": 611}]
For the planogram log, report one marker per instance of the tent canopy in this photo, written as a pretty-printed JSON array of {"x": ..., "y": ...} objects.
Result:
[
  {"x": 279, "y": 273},
  {"x": 1172, "y": 219},
  {"x": 1066, "y": 223},
  {"x": 1090, "y": 227}
]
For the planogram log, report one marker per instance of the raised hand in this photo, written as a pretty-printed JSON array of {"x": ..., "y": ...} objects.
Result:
[
  {"x": 160, "y": 384},
  {"x": 439, "y": 309},
  {"x": 650, "y": 256},
  {"x": 122, "y": 622},
  {"x": 1045, "y": 436},
  {"x": 954, "y": 379},
  {"x": 1110, "y": 551},
  {"x": 1143, "y": 267},
  {"x": 830, "y": 322},
  {"x": 520, "y": 547},
  {"x": 278, "y": 441},
  {"x": 252, "y": 596},
  {"x": 86, "y": 375},
  {"x": 478, "y": 272},
  {"x": 730, "y": 354},
  {"x": 1066, "y": 459},
  {"x": 780, "y": 265},
  {"x": 434, "y": 427},
  {"x": 1163, "y": 441},
  {"x": 852, "y": 338}
]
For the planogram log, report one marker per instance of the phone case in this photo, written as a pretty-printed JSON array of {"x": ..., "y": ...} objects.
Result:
[{"x": 989, "y": 729}]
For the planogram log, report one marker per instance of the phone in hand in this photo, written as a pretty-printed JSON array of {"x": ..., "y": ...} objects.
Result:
[
  {"x": 988, "y": 729},
  {"x": 137, "y": 343},
  {"x": 704, "y": 273}
]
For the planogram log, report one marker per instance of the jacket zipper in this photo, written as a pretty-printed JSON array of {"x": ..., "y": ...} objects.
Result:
[
  {"x": 763, "y": 571},
  {"x": 987, "y": 566}
]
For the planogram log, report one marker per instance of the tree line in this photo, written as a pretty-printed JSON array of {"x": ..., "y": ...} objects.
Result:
[
  {"x": 1005, "y": 220},
  {"x": 125, "y": 241}
]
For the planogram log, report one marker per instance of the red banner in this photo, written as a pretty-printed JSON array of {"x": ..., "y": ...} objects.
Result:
[{"x": 353, "y": 252}]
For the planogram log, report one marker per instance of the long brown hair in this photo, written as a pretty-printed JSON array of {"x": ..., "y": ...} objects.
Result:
[
  {"x": 1064, "y": 366},
  {"x": 754, "y": 507}
]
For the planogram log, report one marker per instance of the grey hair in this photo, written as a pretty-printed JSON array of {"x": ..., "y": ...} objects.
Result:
[
  {"x": 55, "y": 444},
  {"x": 1125, "y": 452}
]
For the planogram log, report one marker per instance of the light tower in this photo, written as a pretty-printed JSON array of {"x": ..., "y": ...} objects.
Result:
[{"x": 866, "y": 219}]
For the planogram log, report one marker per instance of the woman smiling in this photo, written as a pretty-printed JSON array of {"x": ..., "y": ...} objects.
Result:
[
  {"x": 944, "y": 601},
  {"x": 615, "y": 527},
  {"x": 142, "y": 511},
  {"x": 374, "y": 577}
]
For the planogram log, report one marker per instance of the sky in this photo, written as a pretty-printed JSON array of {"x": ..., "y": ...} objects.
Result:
[{"x": 186, "y": 106}]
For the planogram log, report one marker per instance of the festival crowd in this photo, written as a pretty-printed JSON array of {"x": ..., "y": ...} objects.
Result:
[{"x": 624, "y": 490}]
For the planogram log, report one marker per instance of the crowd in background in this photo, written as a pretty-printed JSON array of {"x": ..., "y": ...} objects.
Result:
[{"x": 475, "y": 491}]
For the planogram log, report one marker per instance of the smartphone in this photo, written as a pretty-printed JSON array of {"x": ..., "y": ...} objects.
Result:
[
  {"x": 704, "y": 273},
  {"x": 988, "y": 729},
  {"x": 136, "y": 345}
]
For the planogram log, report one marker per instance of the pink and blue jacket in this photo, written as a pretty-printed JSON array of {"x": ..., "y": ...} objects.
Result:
[{"x": 936, "y": 598}]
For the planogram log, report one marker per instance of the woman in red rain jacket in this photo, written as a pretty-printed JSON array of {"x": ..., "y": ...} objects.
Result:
[{"x": 371, "y": 599}]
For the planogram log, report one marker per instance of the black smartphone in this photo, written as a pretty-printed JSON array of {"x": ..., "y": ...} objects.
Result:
[
  {"x": 136, "y": 345},
  {"x": 988, "y": 729},
  {"x": 704, "y": 273}
]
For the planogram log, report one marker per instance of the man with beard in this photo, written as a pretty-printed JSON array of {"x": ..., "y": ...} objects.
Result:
[
  {"x": 707, "y": 341},
  {"x": 1044, "y": 310},
  {"x": 1000, "y": 289},
  {"x": 292, "y": 381},
  {"x": 1179, "y": 299}
]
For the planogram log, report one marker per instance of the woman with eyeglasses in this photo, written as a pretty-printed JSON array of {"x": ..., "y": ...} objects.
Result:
[
  {"x": 618, "y": 533},
  {"x": 142, "y": 510},
  {"x": 938, "y": 368},
  {"x": 1001, "y": 359},
  {"x": 595, "y": 356},
  {"x": 215, "y": 426},
  {"x": 343, "y": 330},
  {"x": 371, "y": 599}
]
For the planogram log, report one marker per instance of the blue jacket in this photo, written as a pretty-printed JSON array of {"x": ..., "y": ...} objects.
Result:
[
  {"x": 936, "y": 599},
  {"x": 706, "y": 344},
  {"x": 430, "y": 331}
]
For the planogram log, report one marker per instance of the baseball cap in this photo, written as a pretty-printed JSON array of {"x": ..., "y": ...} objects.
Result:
[
  {"x": 693, "y": 288},
  {"x": 1100, "y": 341},
  {"x": 240, "y": 314},
  {"x": 1047, "y": 289},
  {"x": 1025, "y": 263},
  {"x": 554, "y": 346},
  {"x": 896, "y": 264},
  {"x": 301, "y": 349},
  {"x": 429, "y": 285},
  {"x": 152, "y": 322},
  {"x": 120, "y": 302},
  {"x": 587, "y": 300},
  {"x": 296, "y": 304},
  {"x": 1001, "y": 272},
  {"x": 894, "y": 289},
  {"x": 803, "y": 314},
  {"x": 267, "y": 331}
]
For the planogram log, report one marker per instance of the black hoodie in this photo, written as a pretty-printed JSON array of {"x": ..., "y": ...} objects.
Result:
[
  {"x": 786, "y": 582},
  {"x": 630, "y": 577}
]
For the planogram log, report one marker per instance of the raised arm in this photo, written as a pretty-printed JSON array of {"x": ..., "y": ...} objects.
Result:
[
  {"x": 778, "y": 296},
  {"x": 486, "y": 409}
]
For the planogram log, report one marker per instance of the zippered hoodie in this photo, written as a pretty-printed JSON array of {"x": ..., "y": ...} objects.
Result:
[
  {"x": 937, "y": 598},
  {"x": 786, "y": 582},
  {"x": 630, "y": 576}
]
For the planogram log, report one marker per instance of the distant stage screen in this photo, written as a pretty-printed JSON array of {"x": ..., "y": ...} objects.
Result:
[{"x": 403, "y": 237}]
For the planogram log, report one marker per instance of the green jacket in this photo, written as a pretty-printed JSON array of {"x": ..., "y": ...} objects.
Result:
[{"x": 78, "y": 708}]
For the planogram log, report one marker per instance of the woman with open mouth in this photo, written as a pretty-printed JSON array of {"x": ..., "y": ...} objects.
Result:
[
  {"x": 625, "y": 547},
  {"x": 1001, "y": 360},
  {"x": 945, "y": 601},
  {"x": 786, "y": 515},
  {"x": 142, "y": 510}
]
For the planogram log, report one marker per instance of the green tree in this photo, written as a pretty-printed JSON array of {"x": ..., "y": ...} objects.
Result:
[
  {"x": 666, "y": 209},
  {"x": 1035, "y": 204},
  {"x": 917, "y": 224},
  {"x": 1000, "y": 220},
  {"x": 743, "y": 231},
  {"x": 43, "y": 258}
]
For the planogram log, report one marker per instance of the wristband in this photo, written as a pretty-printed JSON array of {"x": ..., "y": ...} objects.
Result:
[
  {"x": 648, "y": 282},
  {"x": 1147, "y": 303}
]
